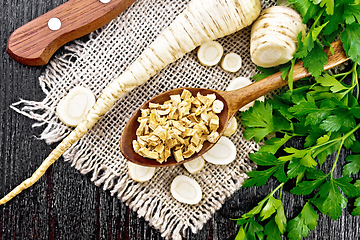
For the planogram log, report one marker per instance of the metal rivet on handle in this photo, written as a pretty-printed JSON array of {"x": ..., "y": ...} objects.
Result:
[
  {"x": 54, "y": 24},
  {"x": 105, "y": 1}
]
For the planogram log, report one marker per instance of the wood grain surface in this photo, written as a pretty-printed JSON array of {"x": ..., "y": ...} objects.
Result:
[{"x": 65, "y": 204}]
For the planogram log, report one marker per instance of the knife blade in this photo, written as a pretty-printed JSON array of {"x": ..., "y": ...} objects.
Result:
[{"x": 35, "y": 42}]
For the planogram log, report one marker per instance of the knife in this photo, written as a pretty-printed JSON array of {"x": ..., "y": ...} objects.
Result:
[{"x": 35, "y": 42}]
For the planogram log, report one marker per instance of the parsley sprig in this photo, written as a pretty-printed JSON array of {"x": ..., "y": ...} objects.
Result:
[{"x": 324, "y": 112}]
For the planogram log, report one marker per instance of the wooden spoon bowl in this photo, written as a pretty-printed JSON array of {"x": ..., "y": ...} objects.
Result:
[{"x": 233, "y": 101}]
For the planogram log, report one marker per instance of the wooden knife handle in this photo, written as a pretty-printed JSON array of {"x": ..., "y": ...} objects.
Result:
[{"x": 34, "y": 43}]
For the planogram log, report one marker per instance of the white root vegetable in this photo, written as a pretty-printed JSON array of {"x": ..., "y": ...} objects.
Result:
[
  {"x": 223, "y": 152},
  {"x": 231, "y": 127},
  {"x": 274, "y": 36},
  {"x": 202, "y": 21},
  {"x": 186, "y": 190},
  {"x": 195, "y": 166},
  {"x": 140, "y": 173},
  {"x": 231, "y": 62},
  {"x": 72, "y": 109},
  {"x": 241, "y": 82},
  {"x": 210, "y": 53}
]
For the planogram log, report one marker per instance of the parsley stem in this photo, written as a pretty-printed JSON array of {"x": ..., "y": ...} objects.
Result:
[
  {"x": 343, "y": 74},
  {"x": 281, "y": 190},
  {"x": 277, "y": 188},
  {"x": 343, "y": 138},
  {"x": 355, "y": 81},
  {"x": 337, "y": 158}
]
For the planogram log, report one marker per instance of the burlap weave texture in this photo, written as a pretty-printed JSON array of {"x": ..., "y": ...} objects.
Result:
[{"x": 95, "y": 63}]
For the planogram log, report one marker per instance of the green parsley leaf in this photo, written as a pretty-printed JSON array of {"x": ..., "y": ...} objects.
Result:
[
  {"x": 241, "y": 234},
  {"x": 332, "y": 82},
  {"x": 315, "y": 60},
  {"x": 334, "y": 20},
  {"x": 331, "y": 202},
  {"x": 280, "y": 173},
  {"x": 270, "y": 207},
  {"x": 259, "y": 178},
  {"x": 349, "y": 189},
  {"x": 306, "y": 8},
  {"x": 350, "y": 38},
  {"x": 351, "y": 13},
  {"x": 254, "y": 230},
  {"x": 310, "y": 216},
  {"x": 307, "y": 187},
  {"x": 329, "y": 6},
  {"x": 353, "y": 167},
  {"x": 265, "y": 159},
  {"x": 304, "y": 155},
  {"x": 356, "y": 147},
  {"x": 301, "y": 225},
  {"x": 280, "y": 218},
  {"x": 259, "y": 121},
  {"x": 356, "y": 210},
  {"x": 272, "y": 145},
  {"x": 295, "y": 168},
  {"x": 272, "y": 231},
  {"x": 265, "y": 72}
]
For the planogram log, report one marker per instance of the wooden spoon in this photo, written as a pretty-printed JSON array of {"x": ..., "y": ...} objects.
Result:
[{"x": 233, "y": 101}]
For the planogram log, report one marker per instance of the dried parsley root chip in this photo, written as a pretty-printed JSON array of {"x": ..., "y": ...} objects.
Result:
[{"x": 178, "y": 127}]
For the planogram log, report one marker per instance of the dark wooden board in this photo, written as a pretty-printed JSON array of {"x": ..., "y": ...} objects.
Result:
[{"x": 65, "y": 204}]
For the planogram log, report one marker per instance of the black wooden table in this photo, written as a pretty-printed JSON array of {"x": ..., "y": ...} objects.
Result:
[{"x": 65, "y": 204}]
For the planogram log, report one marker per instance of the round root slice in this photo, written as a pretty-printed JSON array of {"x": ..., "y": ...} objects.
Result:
[
  {"x": 72, "y": 109},
  {"x": 186, "y": 190},
  {"x": 241, "y": 82},
  {"x": 194, "y": 166},
  {"x": 231, "y": 127},
  {"x": 210, "y": 53},
  {"x": 140, "y": 173},
  {"x": 231, "y": 62},
  {"x": 222, "y": 153}
]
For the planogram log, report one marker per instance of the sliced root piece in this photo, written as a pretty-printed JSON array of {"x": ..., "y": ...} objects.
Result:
[
  {"x": 140, "y": 173},
  {"x": 274, "y": 36},
  {"x": 223, "y": 152},
  {"x": 72, "y": 109},
  {"x": 231, "y": 62},
  {"x": 210, "y": 53},
  {"x": 194, "y": 166},
  {"x": 241, "y": 82},
  {"x": 231, "y": 127},
  {"x": 186, "y": 190}
]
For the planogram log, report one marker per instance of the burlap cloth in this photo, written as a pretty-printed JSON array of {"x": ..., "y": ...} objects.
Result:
[{"x": 96, "y": 62}]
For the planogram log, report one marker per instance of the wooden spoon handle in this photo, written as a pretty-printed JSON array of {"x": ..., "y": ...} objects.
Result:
[
  {"x": 240, "y": 97},
  {"x": 34, "y": 43}
]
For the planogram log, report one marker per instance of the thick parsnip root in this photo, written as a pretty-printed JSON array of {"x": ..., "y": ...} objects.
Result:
[
  {"x": 210, "y": 53},
  {"x": 274, "y": 36},
  {"x": 202, "y": 21}
]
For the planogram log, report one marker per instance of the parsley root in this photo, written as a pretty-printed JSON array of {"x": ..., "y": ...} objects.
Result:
[
  {"x": 274, "y": 36},
  {"x": 202, "y": 21}
]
